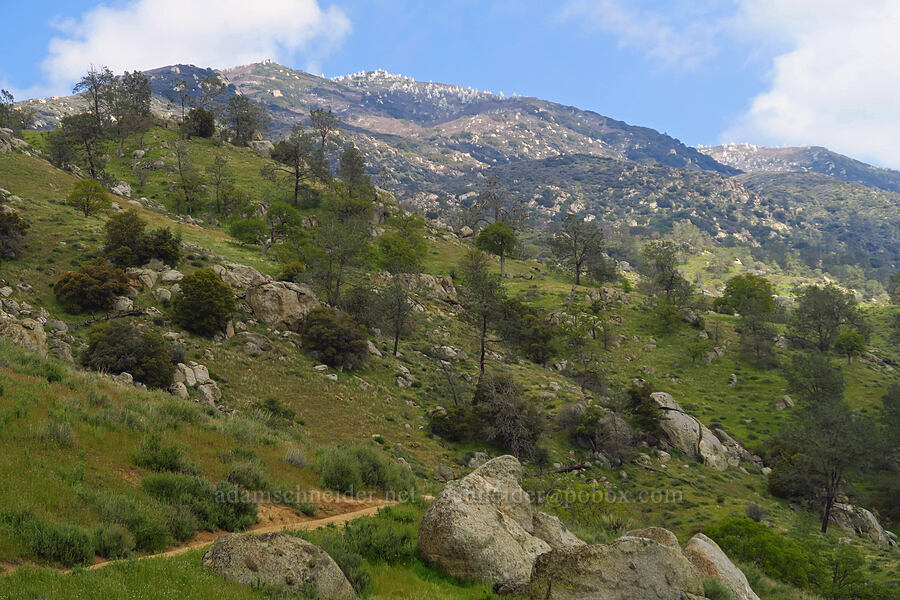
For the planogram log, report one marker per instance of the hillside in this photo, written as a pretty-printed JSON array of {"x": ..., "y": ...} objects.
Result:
[
  {"x": 279, "y": 410},
  {"x": 804, "y": 159}
]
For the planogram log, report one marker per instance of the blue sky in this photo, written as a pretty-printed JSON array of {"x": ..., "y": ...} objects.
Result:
[{"x": 705, "y": 71}]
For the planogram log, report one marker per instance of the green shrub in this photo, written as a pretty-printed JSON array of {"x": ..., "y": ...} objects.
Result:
[
  {"x": 199, "y": 122},
  {"x": 777, "y": 556},
  {"x": 295, "y": 456},
  {"x": 248, "y": 475},
  {"x": 145, "y": 522},
  {"x": 127, "y": 243},
  {"x": 221, "y": 507},
  {"x": 249, "y": 231},
  {"x": 154, "y": 455},
  {"x": 381, "y": 539},
  {"x": 334, "y": 338},
  {"x": 88, "y": 196},
  {"x": 12, "y": 233},
  {"x": 56, "y": 433},
  {"x": 113, "y": 541},
  {"x": 350, "y": 470},
  {"x": 121, "y": 346},
  {"x": 205, "y": 303},
  {"x": 65, "y": 544},
  {"x": 291, "y": 271},
  {"x": 714, "y": 590},
  {"x": 94, "y": 286}
]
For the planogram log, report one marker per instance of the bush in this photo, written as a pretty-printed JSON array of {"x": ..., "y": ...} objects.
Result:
[
  {"x": 777, "y": 556},
  {"x": 113, "y": 541},
  {"x": 350, "y": 470},
  {"x": 127, "y": 244},
  {"x": 94, "y": 286},
  {"x": 291, "y": 271},
  {"x": 295, "y": 456},
  {"x": 249, "y": 231},
  {"x": 66, "y": 544},
  {"x": 221, "y": 507},
  {"x": 200, "y": 122},
  {"x": 755, "y": 512},
  {"x": 714, "y": 590},
  {"x": 248, "y": 475},
  {"x": 205, "y": 303},
  {"x": 12, "y": 233},
  {"x": 120, "y": 346},
  {"x": 380, "y": 539},
  {"x": 56, "y": 433},
  {"x": 152, "y": 454},
  {"x": 334, "y": 338},
  {"x": 144, "y": 522}
]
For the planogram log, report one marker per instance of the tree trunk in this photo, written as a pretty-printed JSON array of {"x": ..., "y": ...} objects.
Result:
[
  {"x": 396, "y": 339},
  {"x": 502, "y": 263},
  {"x": 826, "y": 517},
  {"x": 483, "y": 340}
]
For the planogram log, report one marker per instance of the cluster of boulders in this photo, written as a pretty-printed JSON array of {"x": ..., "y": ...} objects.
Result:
[
  {"x": 482, "y": 528},
  {"x": 195, "y": 376},
  {"x": 9, "y": 141},
  {"x": 714, "y": 448},
  {"x": 430, "y": 286}
]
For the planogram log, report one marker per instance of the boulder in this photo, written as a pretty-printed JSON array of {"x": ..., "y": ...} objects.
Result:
[
  {"x": 27, "y": 333},
  {"x": 185, "y": 375},
  {"x": 784, "y": 402},
  {"x": 123, "y": 304},
  {"x": 657, "y": 534},
  {"x": 240, "y": 277},
  {"x": 281, "y": 304},
  {"x": 629, "y": 568},
  {"x": 121, "y": 189},
  {"x": 171, "y": 276},
  {"x": 179, "y": 389},
  {"x": 436, "y": 288},
  {"x": 201, "y": 373},
  {"x": 711, "y": 562},
  {"x": 553, "y": 531},
  {"x": 478, "y": 458},
  {"x": 278, "y": 560},
  {"x": 481, "y": 527},
  {"x": 254, "y": 343},
  {"x": 123, "y": 379},
  {"x": 734, "y": 447},
  {"x": 261, "y": 147},
  {"x": 162, "y": 295},
  {"x": 689, "y": 435},
  {"x": 209, "y": 392},
  {"x": 60, "y": 349},
  {"x": 465, "y": 232},
  {"x": 859, "y": 521}
]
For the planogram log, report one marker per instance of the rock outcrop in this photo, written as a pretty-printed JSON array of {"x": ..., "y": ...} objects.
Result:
[
  {"x": 279, "y": 560},
  {"x": 25, "y": 333},
  {"x": 711, "y": 562},
  {"x": 689, "y": 435},
  {"x": 481, "y": 527},
  {"x": 629, "y": 568},
  {"x": 435, "y": 288},
  {"x": 281, "y": 304},
  {"x": 859, "y": 521},
  {"x": 240, "y": 277}
]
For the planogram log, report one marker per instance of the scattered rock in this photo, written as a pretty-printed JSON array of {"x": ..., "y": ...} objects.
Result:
[
  {"x": 784, "y": 402},
  {"x": 121, "y": 189},
  {"x": 210, "y": 392},
  {"x": 124, "y": 379},
  {"x": 240, "y": 277},
  {"x": 279, "y": 560},
  {"x": 123, "y": 304},
  {"x": 256, "y": 343},
  {"x": 185, "y": 375},
  {"x": 444, "y": 474},
  {"x": 657, "y": 534},
  {"x": 711, "y": 562},
  {"x": 732, "y": 380},
  {"x": 373, "y": 349},
  {"x": 171, "y": 276},
  {"x": 27, "y": 333},
  {"x": 436, "y": 288},
  {"x": 162, "y": 295},
  {"x": 860, "y": 521},
  {"x": 179, "y": 389},
  {"x": 201, "y": 373},
  {"x": 478, "y": 458},
  {"x": 465, "y": 232}
]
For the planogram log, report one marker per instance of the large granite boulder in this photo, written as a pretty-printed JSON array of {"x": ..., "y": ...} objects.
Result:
[
  {"x": 629, "y": 568},
  {"x": 711, "y": 562},
  {"x": 278, "y": 560},
  {"x": 481, "y": 527},
  {"x": 240, "y": 277},
  {"x": 691, "y": 436},
  {"x": 281, "y": 304}
]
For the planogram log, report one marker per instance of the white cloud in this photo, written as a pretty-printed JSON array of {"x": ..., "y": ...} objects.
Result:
[
  {"x": 664, "y": 38},
  {"x": 144, "y": 34},
  {"x": 836, "y": 84}
]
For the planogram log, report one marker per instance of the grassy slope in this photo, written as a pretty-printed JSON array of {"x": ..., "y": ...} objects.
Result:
[{"x": 351, "y": 408}]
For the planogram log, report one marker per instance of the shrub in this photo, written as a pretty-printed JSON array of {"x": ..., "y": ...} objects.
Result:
[
  {"x": 777, "y": 556},
  {"x": 755, "y": 512},
  {"x": 12, "y": 232},
  {"x": 714, "y": 590},
  {"x": 128, "y": 244},
  {"x": 154, "y": 455},
  {"x": 295, "y": 456},
  {"x": 381, "y": 539},
  {"x": 205, "y": 303},
  {"x": 291, "y": 271},
  {"x": 249, "y": 231},
  {"x": 334, "y": 338},
  {"x": 113, "y": 541},
  {"x": 88, "y": 196},
  {"x": 66, "y": 544},
  {"x": 56, "y": 433},
  {"x": 120, "y": 346},
  {"x": 248, "y": 475},
  {"x": 349, "y": 470},
  {"x": 144, "y": 522},
  {"x": 93, "y": 287},
  {"x": 221, "y": 507}
]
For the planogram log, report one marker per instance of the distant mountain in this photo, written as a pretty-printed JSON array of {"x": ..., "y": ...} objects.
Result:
[
  {"x": 422, "y": 132},
  {"x": 804, "y": 159}
]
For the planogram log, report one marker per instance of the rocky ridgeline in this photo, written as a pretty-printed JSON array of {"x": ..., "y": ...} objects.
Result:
[{"x": 482, "y": 528}]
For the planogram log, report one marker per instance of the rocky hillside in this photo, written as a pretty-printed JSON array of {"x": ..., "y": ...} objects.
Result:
[{"x": 804, "y": 159}]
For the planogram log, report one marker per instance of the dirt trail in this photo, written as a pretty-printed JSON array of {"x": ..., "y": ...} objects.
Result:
[{"x": 285, "y": 520}]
